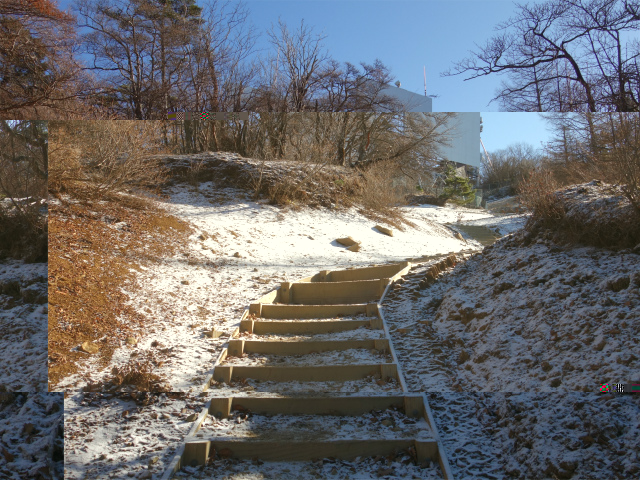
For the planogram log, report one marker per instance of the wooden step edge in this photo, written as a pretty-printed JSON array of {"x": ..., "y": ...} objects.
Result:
[
  {"x": 442, "y": 456},
  {"x": 328, "y": 293},
  {"x": 222, "y": 407},
  {"x": 305, "y": 373},
  {"x": 274, "y": 327},
  {"x": 355, "y": 274},
  {"x": 223, "y": 353},
  {"x": 238, "y": 347},
  {"x": 197, "y": 451},
  {"x": 289, "y": 311},
  {"x": 177, "y": 462},
  {"x": 394, "y": 356}
]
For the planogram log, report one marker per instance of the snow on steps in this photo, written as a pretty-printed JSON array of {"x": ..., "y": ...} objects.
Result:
[{"x": 353, "y": 289}]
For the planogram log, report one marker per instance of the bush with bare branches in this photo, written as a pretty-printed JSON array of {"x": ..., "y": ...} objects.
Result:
[
  {"x": 23, "y": 186},
  {"x": 102, "y": 157},
  {"x": 377, "y": 189},
  {"x": 537, "y": 194}
]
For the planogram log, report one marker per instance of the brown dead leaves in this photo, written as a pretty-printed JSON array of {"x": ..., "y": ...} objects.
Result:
[{"x": 92, "y": 258}]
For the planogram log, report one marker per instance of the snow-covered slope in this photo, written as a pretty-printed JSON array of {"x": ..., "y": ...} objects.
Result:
[
  {"x": 23, "y": 326},
  {"x": 31, "y": 435},
  {"x": 530, "y": 317},
  {"x": 540, "y": 318},
  {"x": 528, "y": 314}
]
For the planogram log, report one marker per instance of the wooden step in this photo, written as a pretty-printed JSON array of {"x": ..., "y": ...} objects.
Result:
[
  {"x": 322, "y": 373},
  {"x": 197, "y": 451},
  {"x": 412, "y": 404},
  {"x": 280, "y": 311},
  {"x": 331, "y": 293},
  {"x": 307, "y": 326},
  {"x": 238, "y": 347},
  {"x": 366, "y": 273}
]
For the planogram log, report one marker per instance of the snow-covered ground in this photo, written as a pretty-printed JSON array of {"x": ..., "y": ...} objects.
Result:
[
  {"x": 241, "y": 250},
  {"x": 507, "y": 306},
  {"x": 126, "y": 435},
  {"x": 521, "y": 319},
  {"x": 539, "y": 435},
  {"x": 23, "y": 326},
  {"x": 31, "y": 436}
]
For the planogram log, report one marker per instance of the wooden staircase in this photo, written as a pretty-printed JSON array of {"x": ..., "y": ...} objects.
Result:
[{"x": 329, "y": 303}]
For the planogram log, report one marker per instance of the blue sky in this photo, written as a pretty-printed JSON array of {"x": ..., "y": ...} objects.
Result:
[
  {"x": 407, "y": 35},
  {"x": 500, "y": 129}
]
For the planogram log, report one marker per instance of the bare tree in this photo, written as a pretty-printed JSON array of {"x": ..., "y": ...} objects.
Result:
[
  {"x": 604, "y": 146},
  {"x": 215, "y": 74},
  {"x": 511, "y": 165},
  {"x": 137, "y": 50},
  {"x": 300, "y": 57},
  {"x": 219, "y": 74},
  {"x": 563, "y": 55},
  {"x": 39, "y": 75}
]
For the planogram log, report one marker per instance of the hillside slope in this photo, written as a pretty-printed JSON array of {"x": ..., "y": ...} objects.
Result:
[{"x": 530, "y": 314}]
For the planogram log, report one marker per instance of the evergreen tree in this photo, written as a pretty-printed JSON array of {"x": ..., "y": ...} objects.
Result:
[
  {"x": 38, "y": 72},
  {"x": 141, "y": 47},
  {"x": 457, "y": 189}
]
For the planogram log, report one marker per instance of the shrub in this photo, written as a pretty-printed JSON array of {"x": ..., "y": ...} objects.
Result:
[
  {"x": 139, "y": 374},
  {"x": 23, "y": 234},
  {"x": 457, "y": 189},
  {"x": 593, "y": 213},
  {"x": 377, "y": 190},
  {"x": 92, "y": 158},
  {"x": 537, "y": 195}
]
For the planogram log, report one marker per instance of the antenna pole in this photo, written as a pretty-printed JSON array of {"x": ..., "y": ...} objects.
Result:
[
  {"x": 486, "y": 153},
  {"x": 424, "y": 71}
]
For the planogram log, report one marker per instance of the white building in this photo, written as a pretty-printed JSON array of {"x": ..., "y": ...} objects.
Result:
[
  {"x": 412, "y": 101},
  {"x": 464, "y": 147},
  {"x": 465, "y": 141}
]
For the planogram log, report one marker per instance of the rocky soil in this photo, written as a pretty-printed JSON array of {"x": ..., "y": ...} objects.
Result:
[
  {"x": 31, "y": 436},
  {"x": 23, "y": 326}
]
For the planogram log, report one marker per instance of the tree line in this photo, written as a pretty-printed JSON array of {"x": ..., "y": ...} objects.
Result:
[
  {"x": 138, "y": 59},
  {"x": 584, "y": 146},
  {"x": 564, "y": 56}
]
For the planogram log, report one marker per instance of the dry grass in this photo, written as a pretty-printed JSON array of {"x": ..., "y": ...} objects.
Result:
[
  {"x": 296, "y": 184},
  {"x": 88, "y": 159},
  {"x": 537, "y": 194},
  {"x": 138, "y": 374},
  {"x": 379, "y": 198},
  {"x": 93, "y": 248},
  {"x": 593, "y": 213},
  {"x": 23, "y": 235},
  {"x": 377, "y": 191}
]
